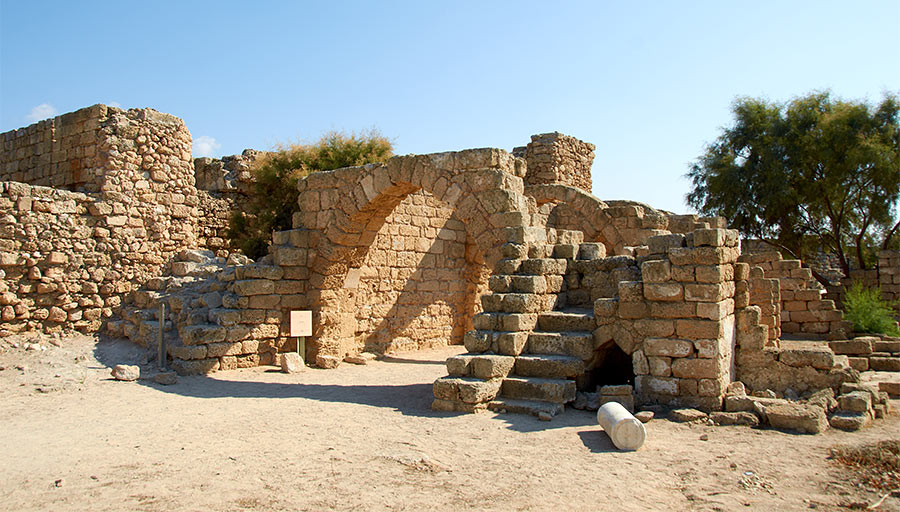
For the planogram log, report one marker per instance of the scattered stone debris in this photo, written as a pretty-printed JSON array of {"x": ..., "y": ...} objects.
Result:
[
  {"x": 644, "y": 416},
  {"x": 735, "y": 418},
  {"x": 291, "y": 362},
  {"x": 687, "y": 415},
  {"x": 126, "y": 372}
]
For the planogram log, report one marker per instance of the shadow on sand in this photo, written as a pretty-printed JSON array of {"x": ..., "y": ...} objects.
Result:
[{"x": 408, "y": 399}]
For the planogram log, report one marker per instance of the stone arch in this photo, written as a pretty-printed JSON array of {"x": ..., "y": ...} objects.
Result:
[
  {"x": 594, "y": 220},
  {"x": 347, "y": 207},
  {"x": 617, "y": 224}
]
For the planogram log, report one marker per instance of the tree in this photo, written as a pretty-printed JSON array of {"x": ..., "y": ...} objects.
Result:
[
  {"x": 273, "y": 200},
  {"x": 815, "y": 167}
]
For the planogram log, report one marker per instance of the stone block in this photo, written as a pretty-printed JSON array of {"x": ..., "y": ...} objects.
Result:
[
  {"x": 859, "y": 364},
  {"x": 202, "y": 334},
  {"x": 668, "y": 347},
  {"x": 656, "y": 271},
  {"x": 477, "y": 342},
  {"x": 709, "y": 237},
  {"x": 742, "y": 418},
  {"x": 195, "y": 367},
  {"x": 687, "y": 415},
  {"x": 512, "y": 343},
  {"x": 126, "y": 372},
  {"x": 884, "y": 364},
  {"x": 696, "y": 368},
  {"x": 291, "y": 362},
  {"x": 491, "y": 366},
  {"x": 891, "y": 388},
  {"x": 858, "y": 346},
  {"x": 802, "y": 418},
  {"x": 855, "y": 401},
  {"x": 698, "y": 329},
  {"x": 660, "y": 366},
  {"x": 666, "y": 292},
  {"x": 822, "y": 359},
  {"x": 249, "y": 287},
  {"x": 850, "y": 421}
]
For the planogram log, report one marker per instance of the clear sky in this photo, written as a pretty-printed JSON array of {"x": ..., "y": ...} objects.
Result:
[{"x": 648, "y": 82}]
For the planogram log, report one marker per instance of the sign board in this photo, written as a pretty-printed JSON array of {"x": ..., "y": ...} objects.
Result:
[{"x": 301, "y": 323}]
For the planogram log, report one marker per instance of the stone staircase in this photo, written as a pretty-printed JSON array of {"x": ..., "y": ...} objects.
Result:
[{"x": 532, "y": 341}]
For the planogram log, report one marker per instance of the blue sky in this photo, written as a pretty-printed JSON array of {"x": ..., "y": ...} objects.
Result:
[{"x": 648, "y": 82}]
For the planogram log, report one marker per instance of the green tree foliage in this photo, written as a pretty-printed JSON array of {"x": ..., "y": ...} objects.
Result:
[
  {"x": 274, "y": 196},
  {"x": 868, "y": 312},
  {"x": 815, "y": 167}
]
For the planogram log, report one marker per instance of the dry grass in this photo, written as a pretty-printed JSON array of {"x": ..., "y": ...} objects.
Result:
[{"x": 878, "y": 463}]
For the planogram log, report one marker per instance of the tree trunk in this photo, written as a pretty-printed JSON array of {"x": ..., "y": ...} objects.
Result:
[{"x": 887, "y": 237}]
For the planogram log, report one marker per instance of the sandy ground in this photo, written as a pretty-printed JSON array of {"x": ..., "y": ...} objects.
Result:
[{"x": 364, "y": 438}]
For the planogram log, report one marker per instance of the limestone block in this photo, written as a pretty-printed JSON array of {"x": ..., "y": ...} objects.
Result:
[
  {"x": 249, "y": 287},
  {"x": 202, "y": 334},
  {"x": 512, "y": 343},
  {"x": 458, "y": 366},
  {"x": 822, "y": 359},
  {"x": 696, "y": 368},
  {"x": 687, "y": 415},
  {"x": 698, "y": 329},
  {"x": 852, "y": 347},
  {"x": 477, "y": 342},
  {"x": 884, "y": 364},
  {"x": 660, "y": 366},
  {"x": 639, "y": 363},
  {"x": 656, "y": 271},
  {"x": 798, "y": 417},
  {"x": 667, "y": 292},
  {"x": 655, "y": 328},
  {"x": 126, "y": 372},
  {"x": 855, "y": 401},
  {"x": 850, "y": 421},
  {"x": 491, "y": 366},
  {"x": 742, "y": 418},
  {"x": 630, "y": 291},
  {"x": 291, "y": 362},
  {"x": 710, "y": 237}
]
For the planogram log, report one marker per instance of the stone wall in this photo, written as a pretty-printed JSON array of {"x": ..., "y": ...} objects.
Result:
[
  {"x": 136, "y": 211},
  {"x": 223, "y": 187},
  {"x": 59, "y": 152},
  {"x": 418, "y": 283},
  {"x": 803, "y": 310},
  {"x": 557, "y": 159}
]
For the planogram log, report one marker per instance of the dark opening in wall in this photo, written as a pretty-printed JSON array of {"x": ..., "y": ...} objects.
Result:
[{"x": 610, "y": 365}]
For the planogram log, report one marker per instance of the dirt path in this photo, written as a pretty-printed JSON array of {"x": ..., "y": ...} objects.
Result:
[{"x": 364, "y": 438}]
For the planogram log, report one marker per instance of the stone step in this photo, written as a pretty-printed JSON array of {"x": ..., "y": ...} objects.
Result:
[
  {"x": 518, "y": 302},
  {"x": 570, "y": 319},
  {"x": 532, "y": 407},
  {"x": 578, "y": 344},
  {"x": 536, "y": 388},
  {"x": 591, "y": 251},
  {"x": 548, "y": 366},
  {"x": 543, "y": 267}
]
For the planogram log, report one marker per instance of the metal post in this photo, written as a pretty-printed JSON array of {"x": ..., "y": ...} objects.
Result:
[{"x": 162, "y": 342}]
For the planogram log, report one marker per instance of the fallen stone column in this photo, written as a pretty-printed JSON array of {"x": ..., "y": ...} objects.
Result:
[{"x": 626, "y": 432}]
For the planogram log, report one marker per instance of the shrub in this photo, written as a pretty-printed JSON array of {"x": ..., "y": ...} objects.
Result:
[
  {"x": 868, "y": 312},
  {"x": 273, "y": 198}
]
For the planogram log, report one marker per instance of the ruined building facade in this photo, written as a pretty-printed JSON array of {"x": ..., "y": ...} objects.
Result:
[{"x": 550, "y": 289}]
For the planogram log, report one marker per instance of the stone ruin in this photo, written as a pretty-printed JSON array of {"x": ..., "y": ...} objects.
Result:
[{"x": 553, "y": 292}]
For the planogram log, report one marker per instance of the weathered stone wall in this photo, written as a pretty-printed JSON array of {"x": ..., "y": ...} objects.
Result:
[
  {"x": 223, "y": 187},
  {"x": 557, "y": 159},
  {"x": 802, "y": 310},
  {"x": 58, "y": 152},
  {"x": 417, "y": 283},
  {"x": 138, "y": 210},
  {"x": 56, "y": 265},
  {"x": 885, "y": 276}
]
